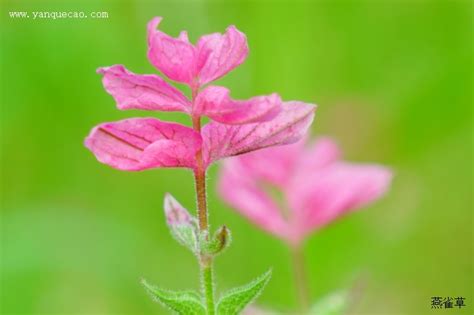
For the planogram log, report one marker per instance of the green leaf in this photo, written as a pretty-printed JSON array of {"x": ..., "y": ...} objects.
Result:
[
  {"x": 237, "y": 299},
  {"x": 217, "y": 243},
  {"x": 332, "y": 304},
  {"x": 180, "y": 302},
  {"x": 183, "y": 226}
]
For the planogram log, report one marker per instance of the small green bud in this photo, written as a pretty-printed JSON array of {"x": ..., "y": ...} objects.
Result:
[{"x": 217, "y": 243}]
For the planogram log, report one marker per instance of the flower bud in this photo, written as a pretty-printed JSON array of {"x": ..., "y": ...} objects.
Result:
[{"x": 219, "y": 241}]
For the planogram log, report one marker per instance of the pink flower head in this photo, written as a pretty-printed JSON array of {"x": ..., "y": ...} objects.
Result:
[
  {"x": 313, "y": 185},
  {"x": 213, "y": 56},
  {"x": 237, "y": 126}
]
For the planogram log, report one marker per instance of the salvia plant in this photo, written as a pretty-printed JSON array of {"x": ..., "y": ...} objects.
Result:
[
  {"x": 236, "y": 127},
  {"x": 289, "y": 191}
]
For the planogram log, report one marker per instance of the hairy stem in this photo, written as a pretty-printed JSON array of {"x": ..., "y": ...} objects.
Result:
[
  {"x": 300, "y": 277},
  {"x": 205, "y": 262},
  {"x": 200, "y": 182},
  {"x": 208, "y": 287}
]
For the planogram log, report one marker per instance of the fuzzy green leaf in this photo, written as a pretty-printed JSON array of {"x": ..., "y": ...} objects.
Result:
[
  {"x": 180, "y": 302},
  {"x": 332, "y": 304},
  {"x": 237, "y": 299},
  {"x": 183, "y": 226}
]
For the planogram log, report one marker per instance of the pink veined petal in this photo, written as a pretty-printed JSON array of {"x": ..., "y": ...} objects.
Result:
[
  {"x": 220, "y": 141},
  {"x": 246, "y": 197},
  {"x": 205, "y": 47},
  {"x": 174, "y": 57},
  {"x": 215, "y": 102},
  {"x": 141, "y": 143},
  {"x": 320, "y": 197},
  {"x": 218, "y": 54},
  {"x": 147, "y": 92}
]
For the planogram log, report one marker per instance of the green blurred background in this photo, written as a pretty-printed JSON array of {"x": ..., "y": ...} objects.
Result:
[{"x": 393, "y": 83}]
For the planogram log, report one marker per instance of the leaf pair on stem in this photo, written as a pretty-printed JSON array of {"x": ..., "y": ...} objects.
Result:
[{"x": 184, "y": 228}]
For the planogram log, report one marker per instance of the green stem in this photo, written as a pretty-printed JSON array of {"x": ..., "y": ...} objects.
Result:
[
  {"x": 205, "y": 262},
  {"x": 300, "y": 277},
  {"x": 208, "y": 287}
]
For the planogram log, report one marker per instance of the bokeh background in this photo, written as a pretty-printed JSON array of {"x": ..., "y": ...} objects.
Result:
[{"x": 393, "y": 80}]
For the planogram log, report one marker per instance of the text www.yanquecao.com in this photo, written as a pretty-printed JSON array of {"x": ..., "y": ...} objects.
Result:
[{"x": 55, "y": 15}]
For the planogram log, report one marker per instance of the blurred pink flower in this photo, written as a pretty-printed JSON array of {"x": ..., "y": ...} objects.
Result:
[
  {"x": 237, "y": 127},
  {"x": 293, "y": 190}
]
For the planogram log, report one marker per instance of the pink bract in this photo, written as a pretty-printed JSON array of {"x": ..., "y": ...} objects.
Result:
[
  {"x": 316, "y": 187},
  {"x": 140, "y": 143},
  {"x": 150, "y": 92},
  {"x": 215, "y": 102},
  {"x": 213, "y": 56},
  {"x": 146, "y": 92},
  {"x": 221, "y": 141}
]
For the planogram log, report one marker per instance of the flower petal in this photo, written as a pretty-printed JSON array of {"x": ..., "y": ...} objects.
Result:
[
  {"x": 147, "y": 92},
  {"x": 323, "y": 152},
  {"x": 320, "y": 197},
  {"x": 140, "y": 143},
  {"x": 175, "y": 57},
  {"x": 219, "y": 54},
  {"x": 281, "y": 165},
  {"x": 214, "y": 102},
  {"x": 249, "y": 199},
  {"x": 275, "y": 165},
  {"x": 220, "y": 141}
]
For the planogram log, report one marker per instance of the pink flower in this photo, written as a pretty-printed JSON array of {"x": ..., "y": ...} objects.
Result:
[
  {"x": 315, "y": 187},
  {"x": 237, "y": 127}
]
